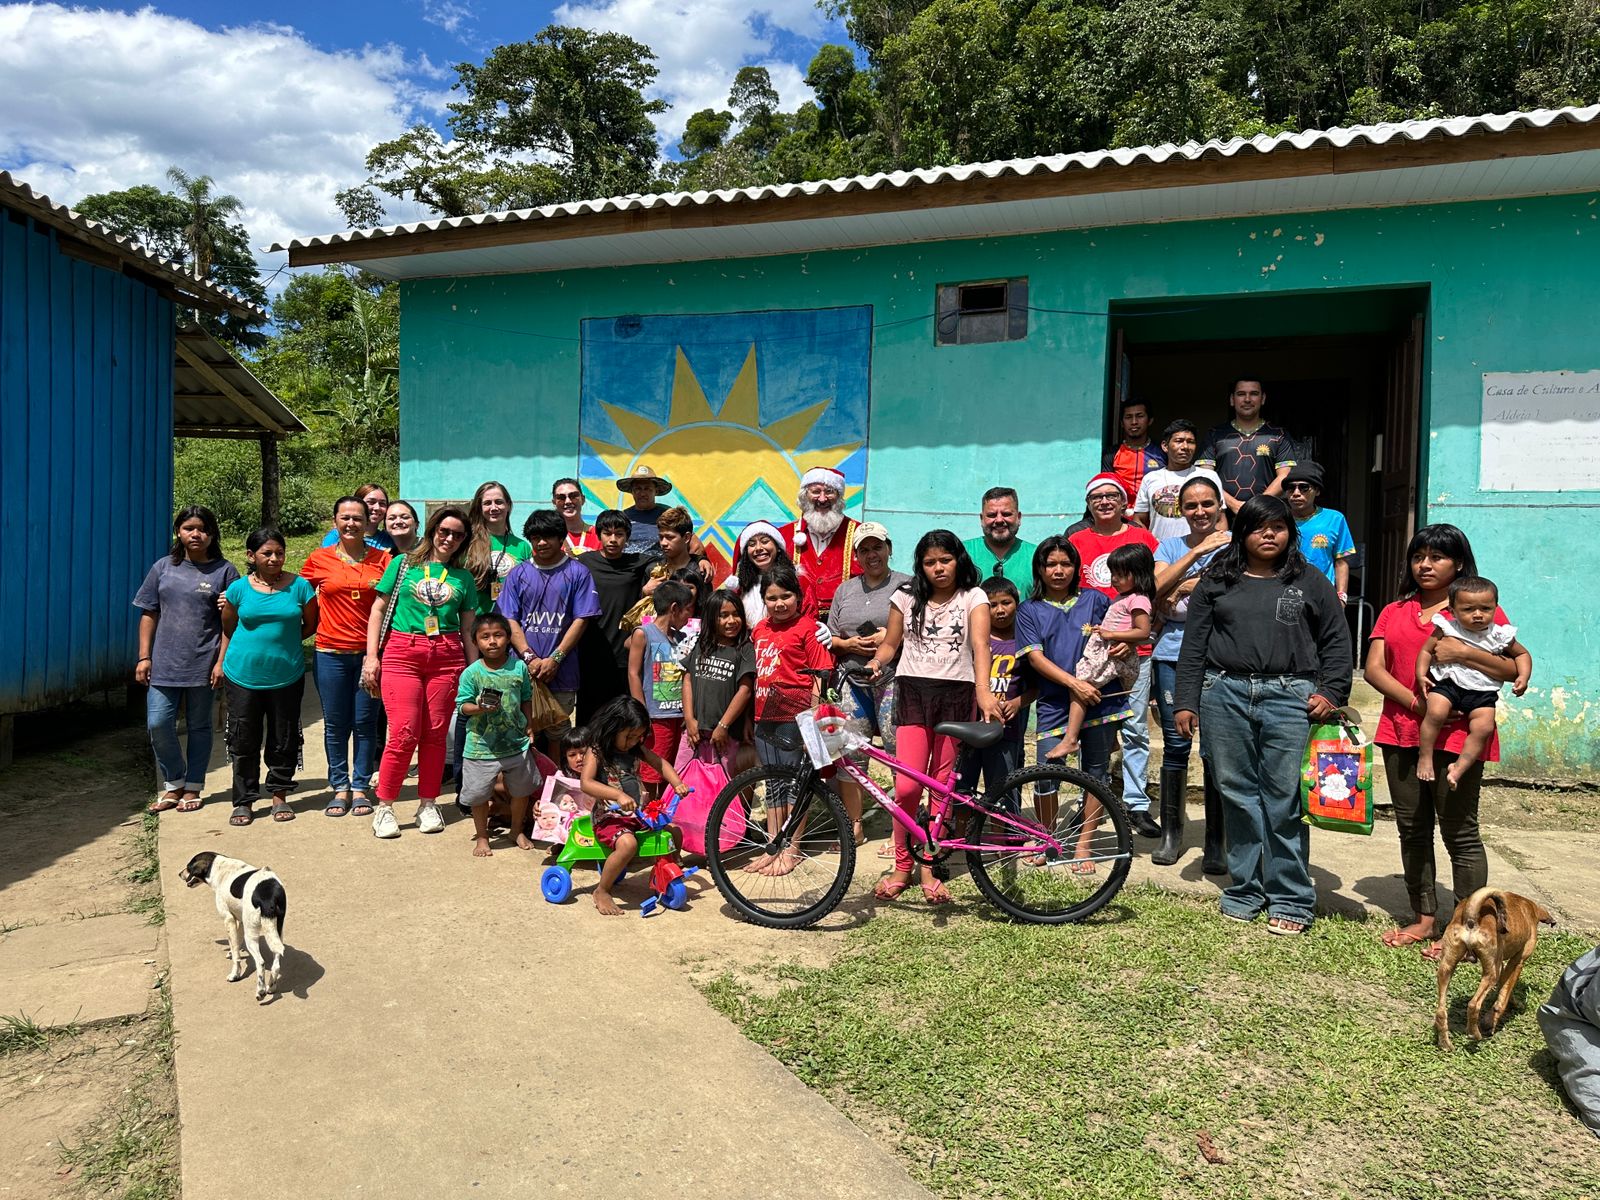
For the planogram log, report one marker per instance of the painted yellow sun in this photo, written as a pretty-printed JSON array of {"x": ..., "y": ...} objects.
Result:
[{"x": 716, "y": 459}]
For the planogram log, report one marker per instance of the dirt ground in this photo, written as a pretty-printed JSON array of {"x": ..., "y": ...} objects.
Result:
[{"x": 88, "y": 1112}]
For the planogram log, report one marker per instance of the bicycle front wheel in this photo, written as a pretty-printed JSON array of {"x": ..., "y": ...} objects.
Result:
[
  {"x": 779, "y": 847},
  {"x": 1029, "y": 882}
]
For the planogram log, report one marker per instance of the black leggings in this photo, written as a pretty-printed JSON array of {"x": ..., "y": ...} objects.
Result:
[
  {"x": 263, "y": 720},
  {"x": 1417, "y": 806}
]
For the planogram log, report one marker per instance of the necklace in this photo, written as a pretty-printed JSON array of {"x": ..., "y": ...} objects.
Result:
[
  {"x": 261, "y": 585},
  {"x": 339, "y": 550}
]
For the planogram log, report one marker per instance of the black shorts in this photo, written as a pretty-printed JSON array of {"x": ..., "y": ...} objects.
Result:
[{"x": 1462, "y": 700}]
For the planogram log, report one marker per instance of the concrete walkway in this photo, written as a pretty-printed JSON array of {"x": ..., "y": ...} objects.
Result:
[{"x": 445, "y": 1032}]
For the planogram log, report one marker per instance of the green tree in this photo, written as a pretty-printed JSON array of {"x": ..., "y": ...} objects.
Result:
[{"x": 704, "y": 132}]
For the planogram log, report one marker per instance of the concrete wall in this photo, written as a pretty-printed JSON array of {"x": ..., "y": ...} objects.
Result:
[{"x": 490, "y": 379}]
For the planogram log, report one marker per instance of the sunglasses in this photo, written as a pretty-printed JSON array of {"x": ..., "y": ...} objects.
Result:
[
  {"x": 452, "y": 534},
  {"x": 1299, "y": 487},
  {"x": 566, "y": 497}
]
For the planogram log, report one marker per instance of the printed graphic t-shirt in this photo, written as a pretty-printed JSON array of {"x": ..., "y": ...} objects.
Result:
[
  {"x": 938, "y": 650},
  {"x": 1324, "y": 539},
  {"x": 429, "y": 588},
  {"x": 1247, "y": 463},
  {"x": 1158, "y": 496},
  {"x": 183, "y": 596},
  {"x": 716, "y": 678},
  {"x": 502, "y": 732},
  {"x": 782, "y": 653},
  {"x": 545, "y": 601},
  {"x": 1008, "y": 679},
  {"x": 662, "y": 680},
  {"x": 505, "y": 552},
  {"x": 1095, "y": 550}
]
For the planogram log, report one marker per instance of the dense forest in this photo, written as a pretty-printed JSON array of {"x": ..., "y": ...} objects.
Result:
[{"x": 567, "y": 116}]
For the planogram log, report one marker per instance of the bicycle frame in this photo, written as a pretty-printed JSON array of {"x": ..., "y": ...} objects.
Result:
[{"x": 941, "y": 794}]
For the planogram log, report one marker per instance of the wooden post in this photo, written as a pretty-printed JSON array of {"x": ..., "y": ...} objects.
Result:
[{"x": 271, "y": 480}]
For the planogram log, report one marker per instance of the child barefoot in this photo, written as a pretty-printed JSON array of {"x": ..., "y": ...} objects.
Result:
[
  {"x": 655, "y": 675},
  {"x": 1126, "y": 622},
  {"x": 718, "y": 681},
  {"x": 495, "y": 696},
  {"x": 1474, "y": 617},
  {"x": 611, "y": 777}
]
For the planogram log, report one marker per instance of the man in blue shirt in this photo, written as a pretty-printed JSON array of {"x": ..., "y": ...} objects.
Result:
[{"x": 1324, "y": 533}]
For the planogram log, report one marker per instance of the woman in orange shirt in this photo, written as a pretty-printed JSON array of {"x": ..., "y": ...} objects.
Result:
[{"x": 344, "y": 574}]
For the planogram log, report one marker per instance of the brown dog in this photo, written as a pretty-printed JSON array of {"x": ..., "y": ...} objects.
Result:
[{"x": 1500, "y": 929}]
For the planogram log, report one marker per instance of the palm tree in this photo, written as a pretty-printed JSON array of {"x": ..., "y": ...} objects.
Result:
[{"x": 207, "y": 216}]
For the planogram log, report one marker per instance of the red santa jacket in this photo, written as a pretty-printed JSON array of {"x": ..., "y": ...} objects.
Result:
[{"x": 822, "y": 571}]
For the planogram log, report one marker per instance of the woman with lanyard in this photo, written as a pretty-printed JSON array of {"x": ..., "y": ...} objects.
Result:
[
  {"x": 345, "y": 576},
  {"x": 858, "y": 620},
  {"x": 180, "y": 633},
  {"x": 376, "y": 501},
  {"x": 1265, "y": 652},
  {"x": 1179, "y": 561},
  {"x": 490, "y": 515},
  {"x": 403, "y": 527},
  {"x": 265, "y": 617},
  {"x": 1052, "y": 628},
  {"x": 566, "y": 497},
  {"x": 417, "y": 646}
]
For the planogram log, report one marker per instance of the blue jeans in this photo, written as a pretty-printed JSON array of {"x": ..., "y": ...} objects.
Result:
[
  {"x": 1254, "y": 731},
  {"x": 161, "y": 718},
  {"x": 1174, "y": 747},
  {"x": 1136, "y": 742},
  {"x": 347, "y": 710}
]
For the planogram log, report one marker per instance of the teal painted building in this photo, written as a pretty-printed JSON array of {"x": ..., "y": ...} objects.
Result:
[{"x": 1409, "y": 294}]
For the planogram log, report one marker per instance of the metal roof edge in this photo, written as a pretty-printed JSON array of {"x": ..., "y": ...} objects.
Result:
[
  {"x": 1336, "y": 138},
  {"x": 18, "y": 195}
]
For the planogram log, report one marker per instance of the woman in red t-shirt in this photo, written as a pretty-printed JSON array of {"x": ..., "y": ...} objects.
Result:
[{"x": 1435, "y": 557}]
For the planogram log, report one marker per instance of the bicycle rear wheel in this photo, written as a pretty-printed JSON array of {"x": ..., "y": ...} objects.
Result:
[
  {"x": 1051, "y": 888},
  {"x": 815, "y": 860}
]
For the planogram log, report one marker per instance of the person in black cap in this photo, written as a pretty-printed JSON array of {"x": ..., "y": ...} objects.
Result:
[{"x": 1324, "y": 533}]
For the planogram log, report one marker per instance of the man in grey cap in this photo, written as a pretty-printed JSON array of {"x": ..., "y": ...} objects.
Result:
[{"x": 1324, "y": 533}]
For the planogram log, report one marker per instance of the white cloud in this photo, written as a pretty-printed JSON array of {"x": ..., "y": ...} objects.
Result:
[
  {"x": 700, "y": 44},
  {"x": 100, "y": 100},
  {"x": 449, "y": 15}
]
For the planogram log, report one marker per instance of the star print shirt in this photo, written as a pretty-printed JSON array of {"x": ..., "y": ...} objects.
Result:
[{"x": 938, "y": 649}]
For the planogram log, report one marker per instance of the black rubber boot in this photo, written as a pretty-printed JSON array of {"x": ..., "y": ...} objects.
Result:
[
  {"x": 1211, "y": 860},
  {"x": 1173, "y": 782}
]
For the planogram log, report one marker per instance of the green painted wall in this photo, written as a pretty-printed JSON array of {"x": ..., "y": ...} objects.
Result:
[{"x": 490, "y": 377}]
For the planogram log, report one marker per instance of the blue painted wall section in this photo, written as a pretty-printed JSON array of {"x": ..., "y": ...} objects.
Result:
[
  {"x": 85, "y": 464},
  {"x": 493, "y": 364}
]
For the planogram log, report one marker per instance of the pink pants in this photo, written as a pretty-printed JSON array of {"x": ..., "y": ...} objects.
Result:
[
  {"x": 418, "y": 681},
  {"x": 932, "y": 754}
]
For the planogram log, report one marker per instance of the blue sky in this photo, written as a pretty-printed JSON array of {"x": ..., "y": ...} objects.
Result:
[{"x": 280, "y": 103}]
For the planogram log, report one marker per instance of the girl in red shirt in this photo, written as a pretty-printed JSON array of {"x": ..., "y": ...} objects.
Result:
[
  {"x": 1436, "y": 556},
  {"x": 786, "y": 646}
]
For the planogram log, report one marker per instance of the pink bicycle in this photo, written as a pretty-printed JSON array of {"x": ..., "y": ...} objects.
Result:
[{"x": 778, "y": 840}]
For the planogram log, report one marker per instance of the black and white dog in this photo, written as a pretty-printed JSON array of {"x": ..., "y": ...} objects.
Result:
[{"x": 253, "y": 904}]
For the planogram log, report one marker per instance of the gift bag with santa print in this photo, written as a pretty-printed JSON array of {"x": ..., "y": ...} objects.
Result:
[{"x": 1336, "y": 784}]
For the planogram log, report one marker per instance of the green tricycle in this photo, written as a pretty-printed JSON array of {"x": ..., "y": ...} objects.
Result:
[{"x": 667, "y": 885}]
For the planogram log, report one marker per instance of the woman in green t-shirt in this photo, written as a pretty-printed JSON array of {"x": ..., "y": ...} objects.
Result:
[
  {"x": 495, "y": 549},
  {"x": 265, "y": 617},
  {"x": 425, "y": 631}
]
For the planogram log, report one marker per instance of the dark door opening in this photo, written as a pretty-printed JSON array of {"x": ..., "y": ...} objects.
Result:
[{"x": 1342, "y": 372}]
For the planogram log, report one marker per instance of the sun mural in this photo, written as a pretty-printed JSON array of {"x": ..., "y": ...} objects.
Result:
[{"x": 796, "y": 399}]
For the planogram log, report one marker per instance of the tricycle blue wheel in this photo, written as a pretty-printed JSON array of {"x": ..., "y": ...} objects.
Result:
[
  {"x": 677, "y": 894},
  {"x": 555, "y": 884}
]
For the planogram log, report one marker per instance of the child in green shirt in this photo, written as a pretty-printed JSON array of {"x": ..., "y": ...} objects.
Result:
[{"x": 495, "y": 700}]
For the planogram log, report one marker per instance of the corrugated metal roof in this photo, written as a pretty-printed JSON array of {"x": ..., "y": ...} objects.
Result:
[
  {"x": 215, "y": 395},
  {"x": 15, "y": 194},
  {"x": 745, "y": 225}
]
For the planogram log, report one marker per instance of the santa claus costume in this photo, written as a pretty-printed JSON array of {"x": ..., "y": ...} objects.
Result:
[{"x": 822, "y": 564}]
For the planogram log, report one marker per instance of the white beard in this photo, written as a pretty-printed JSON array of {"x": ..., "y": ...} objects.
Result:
[{"x": 821, "y": 524}]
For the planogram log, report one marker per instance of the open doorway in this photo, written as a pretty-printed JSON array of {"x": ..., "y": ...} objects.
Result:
[{"x": 1342, "y": 372}]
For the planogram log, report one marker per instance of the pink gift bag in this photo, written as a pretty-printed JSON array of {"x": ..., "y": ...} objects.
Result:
[{"x": 706, "y": 775}]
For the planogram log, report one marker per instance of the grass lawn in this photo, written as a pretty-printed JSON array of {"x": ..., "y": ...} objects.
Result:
[{"x": 1001, "y": 1060}]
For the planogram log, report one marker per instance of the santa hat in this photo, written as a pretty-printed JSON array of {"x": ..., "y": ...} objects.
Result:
[
  {"x": 826, "y": 476},
  {"x": 1105, "y": 479},
  {"x": 755, "y": 527}
]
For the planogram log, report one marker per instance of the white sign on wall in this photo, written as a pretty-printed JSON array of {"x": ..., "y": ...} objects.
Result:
[{"x": 1541, "y": 432}]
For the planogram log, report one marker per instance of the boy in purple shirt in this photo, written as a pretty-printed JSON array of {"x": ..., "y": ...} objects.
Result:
[{"x": 1012, "y": 681}]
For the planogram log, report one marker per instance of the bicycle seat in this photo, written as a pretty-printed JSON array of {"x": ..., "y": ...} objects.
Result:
[{"x": 977, "y": 734}]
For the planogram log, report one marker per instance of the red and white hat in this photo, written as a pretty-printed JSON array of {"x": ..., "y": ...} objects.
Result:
[
  {"x": 1106, "y": 479},
  {"x": 755, "y": 527},
  {"x": 827, "y": 476}
]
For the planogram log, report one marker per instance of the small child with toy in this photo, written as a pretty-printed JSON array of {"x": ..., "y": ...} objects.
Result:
[{"x": 495, "y": 698}]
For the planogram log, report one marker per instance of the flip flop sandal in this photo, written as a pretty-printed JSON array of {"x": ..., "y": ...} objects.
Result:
[
  {"x": 336, "y": 808},
  {"x": 360, "y": 806},
  {"x": 886, "y": 850},
  {"x": 1082, "y": 867},
  {"x": 1284, "y": 927},
  {"x": 889, "y": 889},
  {"x": 936, "y": 893},
  {"x": 188, "y": 805},
  {"x": 281, "y": 811},
  {"x": 162, "y": 804},
  {"x": 241, "y": 815}
]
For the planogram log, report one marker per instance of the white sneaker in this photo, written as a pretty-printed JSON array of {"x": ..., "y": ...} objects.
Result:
[
  {"x": 384, "y": 824},
  {"x": 429, "y": 818}
]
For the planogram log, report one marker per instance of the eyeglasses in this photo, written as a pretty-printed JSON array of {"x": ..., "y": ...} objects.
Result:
[
  {"x": 1106, "y": 498},
  {"x": 452, "y": 534}
]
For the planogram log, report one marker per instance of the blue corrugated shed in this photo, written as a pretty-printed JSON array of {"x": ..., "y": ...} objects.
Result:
[{"x": 86, "y": 361}]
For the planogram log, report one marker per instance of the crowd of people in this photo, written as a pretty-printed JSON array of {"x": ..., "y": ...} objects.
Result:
[{"x": 1204, "y": 576}]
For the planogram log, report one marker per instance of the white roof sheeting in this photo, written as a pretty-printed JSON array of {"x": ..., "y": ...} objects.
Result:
[
  {"x": 116, "y": 249},
  {"x": 1306, "y": 174}
]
